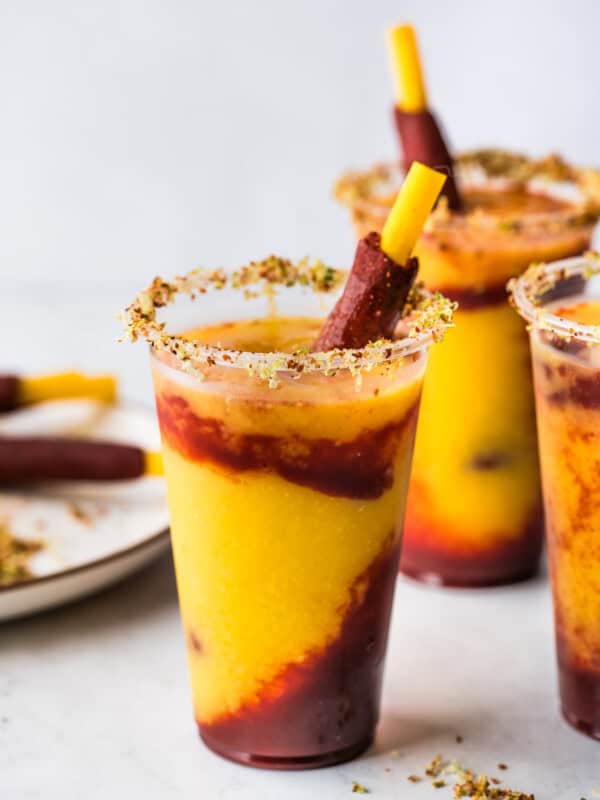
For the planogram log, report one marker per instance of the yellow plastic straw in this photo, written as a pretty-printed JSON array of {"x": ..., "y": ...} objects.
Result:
[
  {"x": 411, "y": 94},
  {"x": 411, "y": 208}
]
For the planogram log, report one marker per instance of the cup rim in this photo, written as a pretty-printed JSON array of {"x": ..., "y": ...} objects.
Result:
[
  {"x": 527, "y": 291},
  {"x": 488, "y": 168},
  {"x": 431, "y": 314}
]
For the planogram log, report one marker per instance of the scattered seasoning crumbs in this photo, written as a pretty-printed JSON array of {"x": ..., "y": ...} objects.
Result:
[
  {"x": 80, "y": 514},
  {"x": 358, "y": 788},
  {"x": 459, "y": 740},
  {"x": 467, "y": 785},
  {"x": 14, "y": 556},
  {"x": 435, "y": 766},
  {"x": 480, "y": 789}
]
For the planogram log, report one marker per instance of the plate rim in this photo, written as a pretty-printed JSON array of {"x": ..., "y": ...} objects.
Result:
[
  {"x": 98, "y": 562},
  {"x": 28, "y": 583}
]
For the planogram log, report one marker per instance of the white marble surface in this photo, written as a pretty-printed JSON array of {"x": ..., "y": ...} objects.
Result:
[{"x": 94, "y": 701}]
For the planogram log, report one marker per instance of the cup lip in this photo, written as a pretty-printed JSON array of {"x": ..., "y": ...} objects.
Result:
[
  {"x": 494, "y": 169},
  {"x": 431, "y": 314},
  {"x": 527, "y": 290}
]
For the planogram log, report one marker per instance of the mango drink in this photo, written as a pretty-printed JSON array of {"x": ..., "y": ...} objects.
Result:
[
  {"x": 286, "y": 473},
  {"x": 562, "y": 303},
  {"x": 474, "y": 511}
]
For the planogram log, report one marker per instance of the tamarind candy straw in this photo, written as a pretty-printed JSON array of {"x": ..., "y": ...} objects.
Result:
[
  {"x": 16, "y": 390},
  {"x": 383, "y": 271},
  {"x": 420, "y": 135},
  {"x": 24, "y": 459},
  {"x": 9, "y": 389}
]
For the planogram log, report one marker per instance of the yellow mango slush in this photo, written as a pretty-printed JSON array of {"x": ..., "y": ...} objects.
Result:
[
  {"x": 285, "y": 509},
  {"x": 474, "y": 511}
]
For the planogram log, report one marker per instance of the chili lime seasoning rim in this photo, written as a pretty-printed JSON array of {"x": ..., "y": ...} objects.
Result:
[
  {"x": 530, "y": 291},
  {"x": 427, "y": 316},
  {"x": 370, "y": 191}
]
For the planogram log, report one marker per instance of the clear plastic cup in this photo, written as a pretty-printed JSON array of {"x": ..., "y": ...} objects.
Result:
[
  {"x": 566, "y": 366},
  {"x": 474, "y": 511},
  {"x": 286, "y": 476}
]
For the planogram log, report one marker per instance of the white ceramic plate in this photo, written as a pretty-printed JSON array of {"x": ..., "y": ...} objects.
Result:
[{"x": 93, "y": 534}]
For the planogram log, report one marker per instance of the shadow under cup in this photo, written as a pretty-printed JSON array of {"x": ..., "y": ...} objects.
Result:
[
  {"x": 566, "y": 365},
  {"x": 286, "y": 500}
]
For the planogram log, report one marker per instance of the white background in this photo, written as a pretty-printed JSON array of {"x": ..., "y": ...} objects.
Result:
[{"x": 149, "y": 136}]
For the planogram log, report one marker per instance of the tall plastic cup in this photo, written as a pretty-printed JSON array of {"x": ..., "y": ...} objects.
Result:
[
  {"x": 474, "y": 511},
  {"x": 286, "y": 476},
  {"x": 561, "y": 302}
]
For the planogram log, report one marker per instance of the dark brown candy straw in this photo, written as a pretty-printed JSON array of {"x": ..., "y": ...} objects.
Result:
[
  {"x": 372, "y": 302},
  {"x": 422, "y": 140},
  {"x": 25, "y": 459},
  {"x": 9, "y": 385}
]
